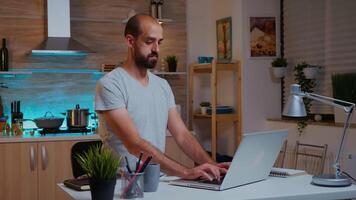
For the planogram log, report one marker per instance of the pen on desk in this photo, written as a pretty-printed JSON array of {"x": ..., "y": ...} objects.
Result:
[
  {"x": 144, "y": 165},
  {"x": 138, "y": 162},
  {"x": 127, "y": 165}
]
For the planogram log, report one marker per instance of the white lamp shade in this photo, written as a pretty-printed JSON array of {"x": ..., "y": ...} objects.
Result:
[{"x": 295, "y": 106}]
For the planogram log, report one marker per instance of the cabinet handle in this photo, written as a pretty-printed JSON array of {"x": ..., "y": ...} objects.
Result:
[
  {"x": 44, "y": 157},
  {"x": 32, "y": 158}
]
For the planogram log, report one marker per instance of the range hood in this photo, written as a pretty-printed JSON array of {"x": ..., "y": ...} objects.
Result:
[{"x": 59, "y": 41}]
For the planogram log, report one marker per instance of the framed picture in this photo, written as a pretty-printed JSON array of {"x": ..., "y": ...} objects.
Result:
[
  {"x": 223, "y": 37},
  {"x": 263, "y": 37}
]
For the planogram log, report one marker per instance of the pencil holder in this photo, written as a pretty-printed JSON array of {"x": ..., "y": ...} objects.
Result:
[{"x": 132, "y": 185}]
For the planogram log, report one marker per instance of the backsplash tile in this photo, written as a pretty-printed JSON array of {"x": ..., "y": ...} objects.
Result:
[{"x": 54, "y": 92}]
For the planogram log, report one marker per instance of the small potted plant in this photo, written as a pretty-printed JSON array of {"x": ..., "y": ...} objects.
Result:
[
  {"x": 279, "y": 67},
  {"x": 204, "y": 107},
  {"x": 101, "y": 166},
  {"x": 310, "y": 71},
  {"x": 172, "y": 63}
]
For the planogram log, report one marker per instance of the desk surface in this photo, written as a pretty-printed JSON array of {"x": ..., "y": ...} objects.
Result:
[{"x": 290, "y": 188}]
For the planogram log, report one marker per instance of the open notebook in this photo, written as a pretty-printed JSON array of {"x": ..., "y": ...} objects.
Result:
[{"x": 284, "y": 172}]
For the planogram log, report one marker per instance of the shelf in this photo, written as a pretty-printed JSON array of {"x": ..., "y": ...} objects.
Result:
[
  {"x": 214, "y": 68},
  {"x": 219, "y": 117},
  {"x": 169, "y": 73},
  {"x": 31, "y": 71},
  {"x": 15, "y": 72},
  {"x": 207, "y": 67},
  {"x": 162, "y": 20},
  {"x": 23, "y": 73},
  {"x": 311, "y": 122}
]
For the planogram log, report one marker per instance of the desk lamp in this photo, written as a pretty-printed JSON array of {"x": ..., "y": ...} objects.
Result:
[{"x": 295, "y": 108}]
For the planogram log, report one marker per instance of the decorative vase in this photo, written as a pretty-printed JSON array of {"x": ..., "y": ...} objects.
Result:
[
  {"x": 310, "y": 72},
  {"x": 102, "y": 189},
  {"x": 279, "y": 72}
]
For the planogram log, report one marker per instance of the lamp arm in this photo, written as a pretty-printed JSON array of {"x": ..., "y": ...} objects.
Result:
[
  {"x": 346, "y": 126},
  {"x": 330, "y": 101},
  {"x": 348, "y": 109}
]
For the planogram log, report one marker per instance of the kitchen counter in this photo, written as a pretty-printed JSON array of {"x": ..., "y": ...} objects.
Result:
[{"x": 49, "y": 137}]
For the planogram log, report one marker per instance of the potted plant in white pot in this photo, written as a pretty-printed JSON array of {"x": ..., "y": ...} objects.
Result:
[
  {"x": 279, "y": 67},
  {"x": 310, "y": 71},
  {"x": 204, "y": 107},
  {"x": 101, "y": 166},
  {"x": 344, "y": 88}
]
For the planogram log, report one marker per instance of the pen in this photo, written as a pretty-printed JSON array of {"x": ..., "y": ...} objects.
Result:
[
  {"x": 127, "y": 165},
  {"x": 138, "y": 162},
  {"x": 144, "y": 165}
]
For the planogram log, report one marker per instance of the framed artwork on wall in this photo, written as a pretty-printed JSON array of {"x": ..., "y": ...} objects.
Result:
[
  {"x": 263, "y": 36},
  {"x": 223, "y": 38}
]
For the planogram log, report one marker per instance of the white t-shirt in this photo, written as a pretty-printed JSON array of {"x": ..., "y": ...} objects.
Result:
[{"x": 147, "y": 106}]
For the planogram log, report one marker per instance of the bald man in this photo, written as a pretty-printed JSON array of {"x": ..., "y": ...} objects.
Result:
[{"x": 136, "y": 107}]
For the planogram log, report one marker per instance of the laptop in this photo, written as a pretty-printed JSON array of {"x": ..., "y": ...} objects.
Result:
[{"x": 252, "y": 162}]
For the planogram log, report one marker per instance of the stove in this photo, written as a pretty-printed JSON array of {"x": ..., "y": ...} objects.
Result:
[{"x": 83, "y": 130}]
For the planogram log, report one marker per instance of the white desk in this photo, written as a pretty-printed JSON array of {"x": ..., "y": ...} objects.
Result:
[{"x": 291, "y": 188}]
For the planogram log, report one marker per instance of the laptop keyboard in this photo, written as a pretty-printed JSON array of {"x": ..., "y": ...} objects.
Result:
[{"x": 215, "y": 181}]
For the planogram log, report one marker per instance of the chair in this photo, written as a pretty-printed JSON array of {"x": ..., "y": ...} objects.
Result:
[
  {"x": 282, "y": 154},
  {"x": 108, "y": 67},
  {"x": 310, "y": 157},
  {"x": 80, "y": 148}
]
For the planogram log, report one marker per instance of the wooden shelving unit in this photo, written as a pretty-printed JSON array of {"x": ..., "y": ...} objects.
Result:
[{"x": 213, "y": 69}]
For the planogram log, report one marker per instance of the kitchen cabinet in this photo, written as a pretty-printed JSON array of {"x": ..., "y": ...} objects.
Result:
[
  {"x": 18, "y": 172},
  {"x": 31, "y": 170}
]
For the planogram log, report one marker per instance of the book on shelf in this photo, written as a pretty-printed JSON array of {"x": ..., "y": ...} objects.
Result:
[
  {"x": 78, "y": 184},
  {"x": 284, "y": 172}
]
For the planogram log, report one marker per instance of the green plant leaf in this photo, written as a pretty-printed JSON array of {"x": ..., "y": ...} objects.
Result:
[{"x": 99, "y": 163}]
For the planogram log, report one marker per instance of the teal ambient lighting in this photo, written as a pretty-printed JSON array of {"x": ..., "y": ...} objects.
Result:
[{"x": 58, "y": 53}]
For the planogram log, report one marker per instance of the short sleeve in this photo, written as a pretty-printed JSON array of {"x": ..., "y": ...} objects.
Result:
[
  {"x": 170, "y": 95},
  {"x": 108, "y": 95}
]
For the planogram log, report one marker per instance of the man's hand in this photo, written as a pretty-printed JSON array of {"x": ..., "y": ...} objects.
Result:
[
  {"x": 205, "y": 171},
  {"x": 224, "y": 165}
]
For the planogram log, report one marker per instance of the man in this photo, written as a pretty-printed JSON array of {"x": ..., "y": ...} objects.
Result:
[{"x": 136, "y": 107}]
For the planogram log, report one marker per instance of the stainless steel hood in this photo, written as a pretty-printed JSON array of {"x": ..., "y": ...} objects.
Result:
[{"x": 59, "y": 41}]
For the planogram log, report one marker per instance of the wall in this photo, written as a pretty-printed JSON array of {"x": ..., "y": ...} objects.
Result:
[
  {"x": 98, "y": 25},
  {"x": 260, "y": 94}
]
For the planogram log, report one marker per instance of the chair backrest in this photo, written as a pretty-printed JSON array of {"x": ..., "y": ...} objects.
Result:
[
  {"x": 80, "y": 148},
  {"x": 108, "y": 67},
  {"x": 310, "y": 157},
  {"x": 282, "y": 154}
]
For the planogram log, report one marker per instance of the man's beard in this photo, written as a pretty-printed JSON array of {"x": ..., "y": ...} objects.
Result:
[{"x": 145, "y": 62}]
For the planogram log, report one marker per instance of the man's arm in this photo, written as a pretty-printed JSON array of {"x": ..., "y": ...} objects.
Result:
[
  {"x": 121, "y": 123},
  {"x": 185, "y": 140}
]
